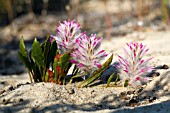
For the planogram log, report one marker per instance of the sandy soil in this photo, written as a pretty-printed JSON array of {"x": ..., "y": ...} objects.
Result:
[{"x": 18, "y": 95}]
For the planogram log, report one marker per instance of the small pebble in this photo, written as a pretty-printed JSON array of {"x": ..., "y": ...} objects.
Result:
[
  {"x": 5, "y": 101},
  {"x": 145, "y": 97},
  {"x": 3, "y": 82},
  {"x": 18, "y": 85},
  {"x": 27, "y": 83},
  {"x": 123, "y": 94},
  {"x": 2, "y": 91},
  {"x": 71, "y": 91},
  {"x": 152, "y": 99},
  {"x": 19, "y": 100},
  {"x": 9, "y": 88},
  {"x": 130, "y": 92},
  {"x": 140, "y": 90},
  {"x": 165, "y": 66},
  {"x": 156, "y": 74},
  {"x": 132, "y": 101}
]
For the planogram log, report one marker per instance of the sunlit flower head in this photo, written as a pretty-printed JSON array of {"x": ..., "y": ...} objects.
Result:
[
  {"x": 86, "y": 56},
  {"x": 67, "y": 33},
  {"x": 134, "y": 68}
]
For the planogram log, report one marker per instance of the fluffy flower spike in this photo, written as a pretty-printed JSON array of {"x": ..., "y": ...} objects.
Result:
[
  {"x": 67, "y": 33},
  {"x": 134, "y": 67},
  {"x": 86, "y": 56}
]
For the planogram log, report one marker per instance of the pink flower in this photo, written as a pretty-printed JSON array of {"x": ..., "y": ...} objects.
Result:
[
  {"x": 86, "y": 56},
  {"x": 67, "y": 33},
  {"x": 134, "y": 67}
]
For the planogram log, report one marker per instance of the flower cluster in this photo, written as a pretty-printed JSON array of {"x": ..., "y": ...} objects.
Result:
[
  {"x": 67, "y": 33},
  {"x": 134, "y": 67},
  {"x": 85, "y": 55},
  {"x": 83, "y": 49}
]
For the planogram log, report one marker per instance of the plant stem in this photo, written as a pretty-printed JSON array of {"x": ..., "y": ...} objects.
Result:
[{"x": 30, "y": 76}]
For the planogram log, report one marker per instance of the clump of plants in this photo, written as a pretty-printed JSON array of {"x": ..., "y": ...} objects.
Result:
[
  {"x": 134, "y": 69},
  {"x": 51, "y": 60}
]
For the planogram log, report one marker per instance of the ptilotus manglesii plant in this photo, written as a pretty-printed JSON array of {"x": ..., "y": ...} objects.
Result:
[
  {"x": 51, "y": 60},
  {"x": 67, "y": 33},
  {"x": 133, "y": 67},
  {"x": 86, "y": 55},
  {"x": 82, "y": 49}
]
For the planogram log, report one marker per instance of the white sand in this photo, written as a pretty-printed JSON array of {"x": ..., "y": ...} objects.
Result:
[{"x": 48, "y": 97}]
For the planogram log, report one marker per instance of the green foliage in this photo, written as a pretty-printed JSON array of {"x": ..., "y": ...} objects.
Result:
[
  {"x": 23, "y": 56},
  {"x": 61, "y": 66},
  {"x": 96, "y": 74},
  {"x": 45, "y": 64},
  {"x": 40, "y": 59},
  {"x": 110, "y": 79},
  {"x": 52, "y": 52},
  {"x": 126, "y": 83}
]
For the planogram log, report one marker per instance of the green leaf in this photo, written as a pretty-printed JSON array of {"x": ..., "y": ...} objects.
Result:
[
  {"x": 27, "y": 64},
  {"x": 126, "y": 83},
  {"x": 104, "y": 66},
  {"x": 64, "y": 60},
  {"x": 117, "y": 78},
  {"x": 52, "y": 52},
  {"x": 46, "y": 48},
  {"x": 75, "y": 70},
  {"x": 46, "y": 76},
  {"x": 90, "y": 80},
  {"x": 37, "y": 54},
  {"x": 110, "y": 79},
  {"x": 22, "y": 47},
  {"x": 34, "y": 68},
  {"x": 55, "y": 71},
  {"x": 25, "y": 61},
  {"x": 37, "y": 74},
  {"x": 95, "y": 75},
  {"x": 77, "y": 74},
  {"x": 64, "y": 63},
  {"x": 23, "y": 56}
]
